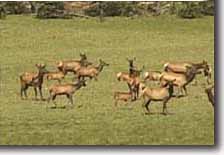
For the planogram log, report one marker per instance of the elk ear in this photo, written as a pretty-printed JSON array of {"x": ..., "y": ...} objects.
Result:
[
  {"x": 37, "y": 65},
  {"x": 134, "y": 58},
  {"x": 43, "y": 65}
]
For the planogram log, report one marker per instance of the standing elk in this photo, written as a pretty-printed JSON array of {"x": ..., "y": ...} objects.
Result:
[
  {"x": 65, "y": 89},
  {"x": 181, "y": 80},
  {"x": 163, "y": 94},
  {"x": 91, "y": 71},
  {"x": 210, "y": 95},
  {"x": 181, "y": 67},
  {"x": 73, "y": 65},
  {"x": 33, "y": 80},
  {"x": 133, "y": 83}
]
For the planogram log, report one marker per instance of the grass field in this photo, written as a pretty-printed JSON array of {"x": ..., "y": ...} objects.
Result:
[{"x": 25, "y": 41}]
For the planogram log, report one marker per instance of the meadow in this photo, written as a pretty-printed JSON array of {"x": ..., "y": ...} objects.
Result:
[{"x": 93, "y": 120}]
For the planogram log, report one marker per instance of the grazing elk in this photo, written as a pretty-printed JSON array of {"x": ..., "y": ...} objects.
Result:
[
  {"x": 133, "y": 83},
  {"x": 163, "y": 94},
  {"x": 33, "y": 80},
  {"x": 210, "y": 95},
  {"x": 91, "y": 71},
  {"x": 122, "y": 96},
  {"x": 181, "y": 80},
  {"x": 73, "y": 65},
  {"x": 65, "y": 89},
  {"x": 181, "y": 67},
  {"x": 58, "y": 75}
]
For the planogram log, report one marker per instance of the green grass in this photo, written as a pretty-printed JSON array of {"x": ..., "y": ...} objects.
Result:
[{"x": 25, "y": 41}]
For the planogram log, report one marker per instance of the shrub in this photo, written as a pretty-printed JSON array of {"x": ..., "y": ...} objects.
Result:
[
  {"x": 112, "y": 9},
  {"x": 52, "y": 10},
  {"x": 189, "y": 10}
]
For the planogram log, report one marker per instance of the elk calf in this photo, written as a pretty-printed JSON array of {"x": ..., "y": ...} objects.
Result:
[
  {"x": 33, "y": 80},
  {"x": 65, "y": 89},
  {"x": 122, "y": 96}
]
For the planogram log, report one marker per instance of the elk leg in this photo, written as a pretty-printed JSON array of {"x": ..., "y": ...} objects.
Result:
[
  {"x": 25, "y": 89},
  {"x": 185, "y": 90},
  {"x": 53, "y": 99},
  {"x": 35, "y": 91},
  {"x": 71, "y": 99},
  {"x": 22, "y": 91},
  {"x": 147, "y": 105},
  {"x": 164, "y": 107},
  {"x": 40, "y": 91},
  {"x": 115, "y": 103},
  {"x": 137, "y": 91}
]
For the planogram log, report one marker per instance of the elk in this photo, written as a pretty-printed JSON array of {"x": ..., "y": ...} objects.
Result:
[
  {"x": 163, "y": 94},
  {"x": 58, "y": 75},
  {"x": 210, "y": 95},
  {"x": 65, "y": 89},
  {"x": 91, "y": 71},
  {"x": 152, "y": 75},
  {"x": 181, "y": 67},
  {"x": 73, "y": 65},
  {"x": 133, "y": 83},
  {"x": 181, "y": 80},
  {"x": 133, "y": 71},
  {"x": 33, "y": 80},
  {"x": 122, "y": 96}
]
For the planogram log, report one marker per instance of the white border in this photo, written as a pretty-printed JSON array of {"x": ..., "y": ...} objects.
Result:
[{"x": 219, "y": 150}]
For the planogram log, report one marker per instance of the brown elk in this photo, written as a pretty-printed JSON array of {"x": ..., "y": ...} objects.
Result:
[
  {"x": 163, "y": 94},
  {"x": 181, "y": 80},
  {"x": 58, "y": 75},
  {"x": 65, "y": 89},
  {"x": 133, "y": 83},
  {"x": 152, "y": 75},
  {"x": 91, "y": 71},
  {"x": 181, "y": 67},
  {"x": 73, "y": 65},
  {"x": 122, "y": 96},
  {"x": 33, "y": 80},
  {"x": 210, "y": 95}
]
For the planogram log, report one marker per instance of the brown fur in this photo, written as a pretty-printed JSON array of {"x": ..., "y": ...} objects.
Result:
[
  {"x": 59, "y": 75},
  {"x": 133, "y": 83},
  {"x": 181, "y": 67},
  {"x": 35, "y": 80},
  {"x": 157, "y": 94},
  {"x": 73, "y": 65},
  {"x": 122, "y": 96},
  {"x": 65, "y": 89},
  {"x": 91, "y": 71}
]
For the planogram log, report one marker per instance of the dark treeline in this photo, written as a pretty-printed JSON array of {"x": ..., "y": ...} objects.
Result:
[{"x": 104, "y": 9}]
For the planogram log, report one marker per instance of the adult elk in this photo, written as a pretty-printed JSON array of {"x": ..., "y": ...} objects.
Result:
[
  {"x": 73, "y": 65},
  {"x": 33, "y": 80},
  {"x": 91, "y": 71},
  {"x": 181, "y": 67},
  {"x": 163, "y": 94},
  {"x": 65, "y": 89}
]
